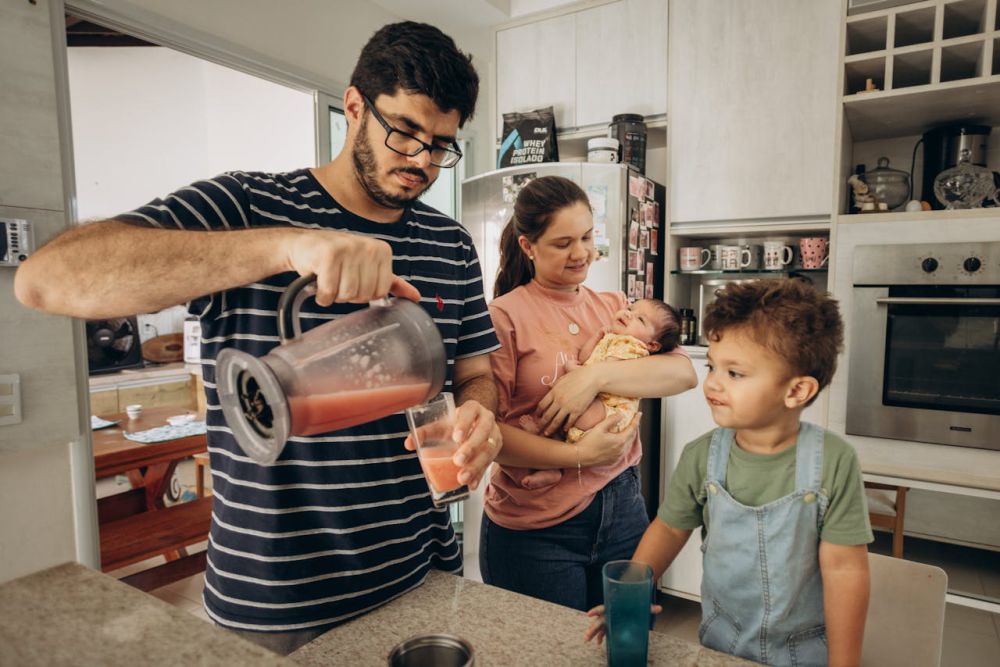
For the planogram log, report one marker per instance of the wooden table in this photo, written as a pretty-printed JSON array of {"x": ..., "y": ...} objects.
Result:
[
  {"x": 137, "y": 524},
  {"x": 149, "y": 466}
]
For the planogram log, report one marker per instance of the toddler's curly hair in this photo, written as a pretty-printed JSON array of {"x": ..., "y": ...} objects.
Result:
[{"x": 789, "y": 317}]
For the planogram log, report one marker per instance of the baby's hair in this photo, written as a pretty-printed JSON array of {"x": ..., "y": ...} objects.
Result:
[
  {"x": 670, "y": 336},
  {"x": 789, "y": 317}
]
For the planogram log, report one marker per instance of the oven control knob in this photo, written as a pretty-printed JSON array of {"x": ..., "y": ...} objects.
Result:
[
  {"x": 929, "y": 265},
  {"x": 972, "y": 264}
]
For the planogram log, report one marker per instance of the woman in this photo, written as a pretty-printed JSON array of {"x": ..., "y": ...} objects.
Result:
[{"x": 552, "y": 542}]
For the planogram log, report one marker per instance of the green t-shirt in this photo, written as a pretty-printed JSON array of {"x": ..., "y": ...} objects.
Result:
[{"x": 757, "y": 479}]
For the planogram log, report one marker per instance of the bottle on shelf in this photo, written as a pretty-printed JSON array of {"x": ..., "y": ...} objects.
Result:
[{"x": 689, "y": 327}]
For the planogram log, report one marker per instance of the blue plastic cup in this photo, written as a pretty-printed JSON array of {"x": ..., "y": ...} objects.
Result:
[{"x": 628, "y": 593}]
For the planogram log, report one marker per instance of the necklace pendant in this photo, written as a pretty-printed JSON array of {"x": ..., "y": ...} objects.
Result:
[{"x": 574, "y": 328}]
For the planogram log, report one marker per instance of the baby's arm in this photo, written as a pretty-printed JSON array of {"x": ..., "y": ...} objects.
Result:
[
  {"x": 588, "y": 347},
  {"x": 845, "y": 600}
]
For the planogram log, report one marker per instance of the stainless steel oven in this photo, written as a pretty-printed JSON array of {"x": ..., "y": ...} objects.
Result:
[{"x": 924, "y": 355}]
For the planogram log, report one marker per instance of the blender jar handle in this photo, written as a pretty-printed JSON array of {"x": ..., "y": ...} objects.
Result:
[{"x": 290, "y": 303}]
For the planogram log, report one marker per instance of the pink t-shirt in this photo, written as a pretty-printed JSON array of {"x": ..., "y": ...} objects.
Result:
[{"x": 533, "y": 324}]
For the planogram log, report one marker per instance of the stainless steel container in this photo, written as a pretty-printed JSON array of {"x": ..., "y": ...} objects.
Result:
[{"x": 432, "y": 651}]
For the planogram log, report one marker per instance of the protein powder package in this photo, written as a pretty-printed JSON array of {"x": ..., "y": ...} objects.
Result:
[{"x": 528, "y": 137}]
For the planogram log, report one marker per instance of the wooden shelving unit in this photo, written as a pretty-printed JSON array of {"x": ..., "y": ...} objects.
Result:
[{"x": 932, "y": 60}]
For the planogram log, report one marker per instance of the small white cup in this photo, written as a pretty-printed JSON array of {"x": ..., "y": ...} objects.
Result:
[{"x": 133, "y": 411}]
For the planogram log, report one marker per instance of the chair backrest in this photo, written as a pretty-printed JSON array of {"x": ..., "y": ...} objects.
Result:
[{"x": 905, "y": 624}]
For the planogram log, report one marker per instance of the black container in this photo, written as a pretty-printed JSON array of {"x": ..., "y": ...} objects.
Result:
[
  {"x": 630, "y": 131},
  {"x": 942, "y": 148},
  {"x": 689, "y": 327}
]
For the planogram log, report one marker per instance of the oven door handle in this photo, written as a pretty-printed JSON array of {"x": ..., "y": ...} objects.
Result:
[{"x": 932, "y": 301}]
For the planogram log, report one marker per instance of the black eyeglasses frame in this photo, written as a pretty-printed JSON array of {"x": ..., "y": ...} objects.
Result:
[{"x": 424, "y": 146}]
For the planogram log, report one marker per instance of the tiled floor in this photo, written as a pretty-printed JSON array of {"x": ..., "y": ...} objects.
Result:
[{"x": 971, "y": 636}]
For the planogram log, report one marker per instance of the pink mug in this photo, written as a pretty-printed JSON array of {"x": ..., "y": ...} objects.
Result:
[
  {"x": 813, "y": 252},
  {"x": 694, "y": 258}
]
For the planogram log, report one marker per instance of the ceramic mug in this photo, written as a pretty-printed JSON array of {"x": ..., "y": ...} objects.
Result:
[
  {"x": 813, "y": 252},
  {"x": 754, "y": 253},
  {"x": 777, "y": 255},
  {"x": 716, "y": 261},
  {"x": 694, "y": 258},
  {"x": 734, "y": 258}
]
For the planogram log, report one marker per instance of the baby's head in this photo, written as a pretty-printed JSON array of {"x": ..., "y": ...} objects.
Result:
[
  {"x": 652, "y": 321},
  {"x": 789, "y": 322}
]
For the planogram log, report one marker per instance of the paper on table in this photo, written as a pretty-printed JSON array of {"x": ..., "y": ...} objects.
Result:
[
  {"x": 161, "y": 433},
  {"x": 97, "y": 423}
]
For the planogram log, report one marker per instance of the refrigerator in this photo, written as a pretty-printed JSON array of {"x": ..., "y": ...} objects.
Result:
[{"x": 629, "y": 236}]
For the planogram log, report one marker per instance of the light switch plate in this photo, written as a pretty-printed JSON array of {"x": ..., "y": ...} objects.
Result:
[{"x": 10, "y": 399}]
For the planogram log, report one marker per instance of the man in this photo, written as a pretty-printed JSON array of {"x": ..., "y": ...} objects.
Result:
[{"x": 342, "y": 522}]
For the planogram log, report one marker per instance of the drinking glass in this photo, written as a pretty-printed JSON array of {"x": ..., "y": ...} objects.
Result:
[
  {"x": 628, "y": 594},
  {"x": 431, "y": 426}
]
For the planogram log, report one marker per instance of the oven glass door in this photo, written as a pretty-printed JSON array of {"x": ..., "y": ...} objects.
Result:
[{"x": 942, "y": 349}]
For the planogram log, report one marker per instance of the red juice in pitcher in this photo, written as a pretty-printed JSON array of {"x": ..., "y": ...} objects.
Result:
[{"x": 319, "y": 413}]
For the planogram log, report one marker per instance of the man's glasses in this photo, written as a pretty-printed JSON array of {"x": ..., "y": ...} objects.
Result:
[{"x": 408, "y": 145}]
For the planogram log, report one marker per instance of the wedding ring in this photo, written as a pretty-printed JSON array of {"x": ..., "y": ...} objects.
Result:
[{"x": 492, "y": 441}]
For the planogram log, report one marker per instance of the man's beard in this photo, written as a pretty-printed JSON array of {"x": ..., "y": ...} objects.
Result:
[{"x": 366, "y": 171}]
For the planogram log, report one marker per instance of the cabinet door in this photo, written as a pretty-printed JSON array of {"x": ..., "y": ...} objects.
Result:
[
  {"x": 687, "y": 417},
  {"x": 752, "y": 108},
  {"x": 621, "y": 60},
  {"x": 536, "y": 67}
]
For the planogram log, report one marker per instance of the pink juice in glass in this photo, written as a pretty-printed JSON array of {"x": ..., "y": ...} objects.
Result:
[
  {"x": 435, "y": 459},
  {"x": 318, "y": 413}
]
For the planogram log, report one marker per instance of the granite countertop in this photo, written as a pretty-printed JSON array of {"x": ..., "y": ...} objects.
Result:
[
  {"x": 72, "y": 615},
  {"x": 504, "y": 628}
]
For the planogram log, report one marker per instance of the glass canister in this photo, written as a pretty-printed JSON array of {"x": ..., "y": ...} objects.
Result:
[
  {"x": 890, "y": 186},
  {"x": 965, "y": 185},
  {"x": 630, "y": 131}
]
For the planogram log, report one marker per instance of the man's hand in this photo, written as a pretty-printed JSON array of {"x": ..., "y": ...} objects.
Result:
[
  {"x": 349, "y": 268},
  {"x": 569, "y": 397},
  {"x": 479, "y": 440}
]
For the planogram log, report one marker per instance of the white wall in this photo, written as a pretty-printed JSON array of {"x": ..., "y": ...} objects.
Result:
[
  {"x": 37, "y": 520},
  {"x": 323, "y": 37},
  {"x": 149, "y": 120}
]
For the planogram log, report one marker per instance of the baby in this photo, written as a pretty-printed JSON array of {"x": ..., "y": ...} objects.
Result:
[{"x": 646, "y": 327}]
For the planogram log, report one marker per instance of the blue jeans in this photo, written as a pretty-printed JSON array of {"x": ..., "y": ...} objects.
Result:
[{"x": 562, "y": 563}]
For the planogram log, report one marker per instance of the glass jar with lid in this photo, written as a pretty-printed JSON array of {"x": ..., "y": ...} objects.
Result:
[{"x": 890, "y": 186}]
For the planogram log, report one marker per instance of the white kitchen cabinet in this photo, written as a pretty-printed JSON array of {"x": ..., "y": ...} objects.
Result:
[
  {"x": 753, "y": 103},
  {"x": 686, "y": 416},
  {"x": 621, "y": 60},
  {"x": 589, "y": 64},
  {"x": 536, "y": 67}
]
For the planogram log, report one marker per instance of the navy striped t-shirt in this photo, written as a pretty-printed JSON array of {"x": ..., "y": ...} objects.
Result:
[{"x": 343, "y": 521}]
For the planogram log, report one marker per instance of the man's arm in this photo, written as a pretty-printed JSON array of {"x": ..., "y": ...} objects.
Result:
[
  {"x": 845, "y": 600},
  {"x": 111, "y": 268}
]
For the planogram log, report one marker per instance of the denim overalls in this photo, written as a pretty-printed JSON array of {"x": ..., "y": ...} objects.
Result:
[{"x": 762, "y": 594}]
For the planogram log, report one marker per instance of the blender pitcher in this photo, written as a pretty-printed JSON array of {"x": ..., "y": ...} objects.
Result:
[{"x": 355, "y": 369}]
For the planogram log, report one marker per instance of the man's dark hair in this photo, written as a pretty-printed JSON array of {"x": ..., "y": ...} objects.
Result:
[{"x": 419, "y": 59}]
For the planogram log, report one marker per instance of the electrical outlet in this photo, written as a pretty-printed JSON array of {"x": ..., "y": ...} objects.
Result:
[{"x": 10, "y": 399}]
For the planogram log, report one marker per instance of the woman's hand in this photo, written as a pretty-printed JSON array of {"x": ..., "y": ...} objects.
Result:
[
  {"x": 569, "y": 397},
  {"x": 601, "y": 447}
]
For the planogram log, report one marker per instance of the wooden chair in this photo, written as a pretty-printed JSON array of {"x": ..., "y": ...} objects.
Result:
[
  {"x": 905, "y": 624},
  {"x": 887, "y": 509},
  {"x": 200, "y": 466}
]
